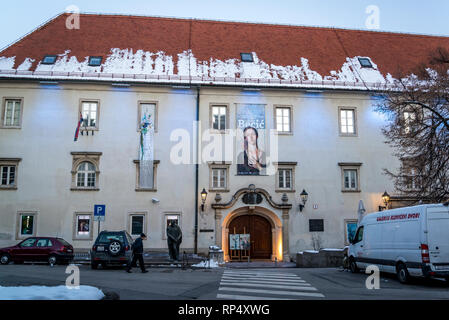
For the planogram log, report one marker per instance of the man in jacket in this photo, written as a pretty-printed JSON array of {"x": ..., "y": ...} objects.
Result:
[
  {"x": 138, "y": 254},
  {"x": 174, "y": 239}
]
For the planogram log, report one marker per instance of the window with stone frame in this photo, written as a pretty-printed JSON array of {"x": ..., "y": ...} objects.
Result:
[
  {"x": 411, "y": 175},
  {"x": 83, "y": 226},
  {"x": 155, "y": 166},
  {"x": 219, "y": 176},
  {"x": 285, "y": 176},
  {"x": 137, "y": 223},
  {"x": 219, "y": 117},
  {"x": 85, "y": 171},
  {"x": 8, "y": 173},
  {"x": 26, "y": 224},
  {"x": 350, "y": 173},
  {"x": 11, "y": 117}
]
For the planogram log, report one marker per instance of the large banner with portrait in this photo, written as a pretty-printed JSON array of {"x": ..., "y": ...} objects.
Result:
[
  {"x": 147, "y": 114},
  {"x": 251, "y": 139}
]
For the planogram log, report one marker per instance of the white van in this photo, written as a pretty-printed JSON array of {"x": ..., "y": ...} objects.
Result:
[{"x": 410, "y": 241}]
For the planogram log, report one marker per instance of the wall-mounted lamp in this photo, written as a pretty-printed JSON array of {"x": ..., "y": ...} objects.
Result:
[
  {"x": 203, "y": 198},
  {"x": 385, "y": 199},
  {"x": 304, "y": 195}
]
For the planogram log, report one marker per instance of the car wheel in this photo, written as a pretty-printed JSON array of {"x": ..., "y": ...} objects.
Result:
[
  {"x": 94, "y": 265},
  {"x": 353, "y": 265},
  {"x": 52, "y": 259},
  {"x": 5, "y": 258},
  {"x": 115, "y": 247},
  {"x": 402, "y": 273}
]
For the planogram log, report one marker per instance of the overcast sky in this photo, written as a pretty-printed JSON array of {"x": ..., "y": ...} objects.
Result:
[{"x": 19, "y": 17}]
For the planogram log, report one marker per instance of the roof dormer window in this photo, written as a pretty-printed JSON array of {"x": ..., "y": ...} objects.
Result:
[
  {"x": 95, "y": 61},
  {"x": 365, "y": 63},
  {"x": 247, "y": 57},
  {"x": 49, "y": 59}
]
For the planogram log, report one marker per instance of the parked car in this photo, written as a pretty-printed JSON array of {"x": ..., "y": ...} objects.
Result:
[
  {"x": 52, "y": 250},
  {"x": 111, "y": 248},
  {"x": 410, "y": 241}
]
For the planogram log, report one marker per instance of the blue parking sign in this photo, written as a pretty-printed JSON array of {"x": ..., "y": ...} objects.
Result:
[{"x": 99, "y": 212}]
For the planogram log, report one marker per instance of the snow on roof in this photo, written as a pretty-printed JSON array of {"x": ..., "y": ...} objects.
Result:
[{"x": 149, "y": 49}]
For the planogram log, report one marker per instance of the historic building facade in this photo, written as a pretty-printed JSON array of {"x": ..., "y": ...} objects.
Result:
[{"x": 255, "y": 133}]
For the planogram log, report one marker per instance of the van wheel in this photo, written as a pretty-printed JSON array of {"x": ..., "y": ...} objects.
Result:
[
  {"x": 353, "y": 265},
  {"x": 402, "y": 273}
]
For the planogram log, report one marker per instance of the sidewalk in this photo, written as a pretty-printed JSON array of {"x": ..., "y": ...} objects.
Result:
[{"x": 260, "y": 264}]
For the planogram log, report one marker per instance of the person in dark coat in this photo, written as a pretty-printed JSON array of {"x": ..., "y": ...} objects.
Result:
[
  {"x": 138, "y": 254},
  {"x": 174, "y": 239}
]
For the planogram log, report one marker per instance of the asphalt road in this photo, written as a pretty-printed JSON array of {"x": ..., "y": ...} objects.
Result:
[{"x": 208, "y": 284}]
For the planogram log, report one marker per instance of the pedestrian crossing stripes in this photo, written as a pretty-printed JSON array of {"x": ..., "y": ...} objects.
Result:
[{"x": 264, "y": 285}]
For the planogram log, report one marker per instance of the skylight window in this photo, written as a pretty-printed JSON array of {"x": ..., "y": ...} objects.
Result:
[
  {"x": 95, "y": 61},
  {"x": 49, "y": 59},
  {"x": 365, "y": 63},
  {"x": 247, "y": 57}
]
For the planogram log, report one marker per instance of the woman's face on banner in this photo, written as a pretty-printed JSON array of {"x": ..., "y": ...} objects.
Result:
[{"x": 250, "y": 136}]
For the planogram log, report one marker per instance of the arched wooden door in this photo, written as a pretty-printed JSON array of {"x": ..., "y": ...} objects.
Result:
[{"x": 259, "y": 229}]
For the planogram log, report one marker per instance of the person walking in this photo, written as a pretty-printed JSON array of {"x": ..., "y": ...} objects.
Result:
[{"x": 138, "y": 254}]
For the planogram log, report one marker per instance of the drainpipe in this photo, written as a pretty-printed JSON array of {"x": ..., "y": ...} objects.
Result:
[{"x": 197, "y": 166}]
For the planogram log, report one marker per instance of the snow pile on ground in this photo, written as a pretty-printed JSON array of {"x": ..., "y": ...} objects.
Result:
[
  {"x": 126, "y": 61},
  {"x": 50, "y": 293},
  {"x": 207, "y": 264}
]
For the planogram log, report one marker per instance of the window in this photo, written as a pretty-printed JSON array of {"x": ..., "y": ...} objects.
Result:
[
  {"x": 219, "y": 178},
  {"x": 85, "y": 176},
  {"x": 49, "y": 59},
  {"x": 409, "y": 118},
  {"x": 12, "y": 113},
  {"x": 82, "y": 225},
  {"x": 316, "y": 225},
  {"x": 95, "y": 61},
  {"x": 85, "y": 173},
  {"x": 283, "y": 119},
  {"x": 28, "y": 243},
  {"x": 219, "y": 175},
  {"x": 350, "y": 177},
  {"x": 247, "y": 57},
  {"x": 350, "y": 229},
  {"x": 138, "y": 187},
  {"x": 411, "y": 175},
  {"x": 89, "y": 110},
  {"x": 365, "y": 63},
  {"x": 359, "y": 235},
  {"x": 137, "y": 224},
  {"x": 347, "y": 121},
  {"x": 219, "y": 120},
  {"x": 285, "y": 178},
  {"x": 8, "y": 176},
  {"x": 148, "y": 107},
  {"x": 43, "y": 243},
  {"x": 26, "y": 225}
]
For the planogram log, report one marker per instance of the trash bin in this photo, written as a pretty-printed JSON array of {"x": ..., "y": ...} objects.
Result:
[{"x": 216, "y": 255}]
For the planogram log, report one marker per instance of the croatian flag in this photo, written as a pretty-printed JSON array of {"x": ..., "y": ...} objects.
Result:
[{"x": 78, "y": 127}]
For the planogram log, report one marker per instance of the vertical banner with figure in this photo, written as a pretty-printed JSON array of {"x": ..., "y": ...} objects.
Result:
[
  {"x": 147, "y": 112},
  {"x": 251, "y": 139}
]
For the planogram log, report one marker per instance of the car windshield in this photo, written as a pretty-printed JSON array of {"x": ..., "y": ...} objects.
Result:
[
  {"x": 107, "y": 237},
  {"x": 63, "y": 242}
]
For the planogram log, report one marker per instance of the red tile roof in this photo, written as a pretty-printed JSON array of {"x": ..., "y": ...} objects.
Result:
[{"x": 325, "y": 48}]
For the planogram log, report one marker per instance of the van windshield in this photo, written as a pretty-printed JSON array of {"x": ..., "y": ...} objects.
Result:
[{"x": 359, "y": 235}]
